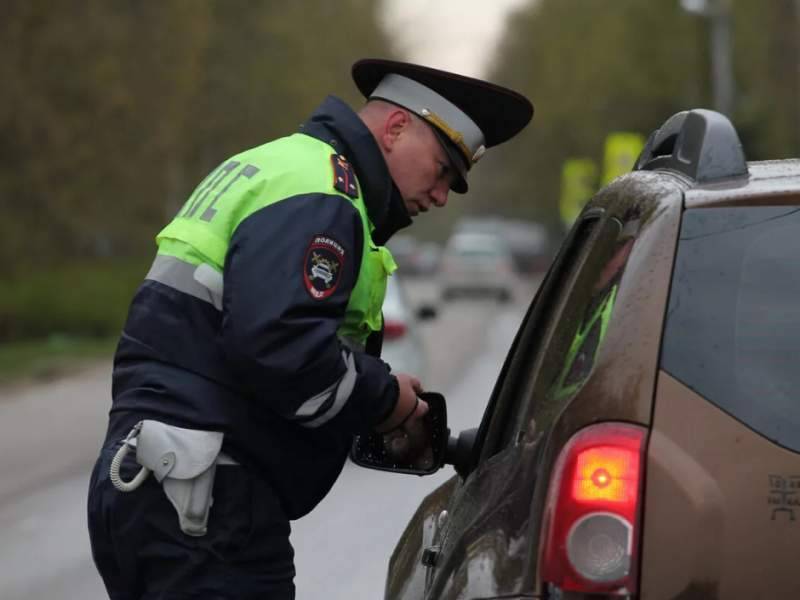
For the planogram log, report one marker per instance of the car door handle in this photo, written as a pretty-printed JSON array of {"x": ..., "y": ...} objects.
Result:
[{"x": 431, "y": 553}]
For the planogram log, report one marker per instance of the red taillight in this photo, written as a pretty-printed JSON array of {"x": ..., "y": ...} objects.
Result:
[
  {"x": 607, "y": 473},
  {"x": 591, "y": 519},
  {"x": 393, "y": 330}
]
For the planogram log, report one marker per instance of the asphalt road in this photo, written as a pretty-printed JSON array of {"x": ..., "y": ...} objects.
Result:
[{"x": 50, "y": 433}]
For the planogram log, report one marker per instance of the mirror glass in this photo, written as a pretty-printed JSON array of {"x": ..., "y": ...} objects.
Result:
[{"x": 419, "y": 451}]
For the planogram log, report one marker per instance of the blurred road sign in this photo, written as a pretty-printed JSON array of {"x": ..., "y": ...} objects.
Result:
[
  {"x": 578, "y": 184},
  {"x": 621, "y": 151}
]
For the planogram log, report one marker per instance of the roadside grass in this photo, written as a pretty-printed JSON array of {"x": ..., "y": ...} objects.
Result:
[
  {"x": 87, "y": 299},
  {"x": 55, "y": 319},
  {"x": 57, "y": 356}
]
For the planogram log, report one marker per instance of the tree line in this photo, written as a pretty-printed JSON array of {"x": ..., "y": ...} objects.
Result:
[
  {"x": 113, "y": 110},
  {"x": 592, "y": 67}
]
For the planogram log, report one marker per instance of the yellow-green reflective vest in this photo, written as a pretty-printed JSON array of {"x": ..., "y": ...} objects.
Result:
[{"x": 298, "y": 164}]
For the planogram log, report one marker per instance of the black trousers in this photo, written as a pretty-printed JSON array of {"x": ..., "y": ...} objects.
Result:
[{"x": 142, "y": 553}]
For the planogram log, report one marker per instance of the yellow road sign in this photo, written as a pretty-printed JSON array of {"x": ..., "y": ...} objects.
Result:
[
  {"x": 621, "y": 151},
  {"x": 578, "y": 184}
]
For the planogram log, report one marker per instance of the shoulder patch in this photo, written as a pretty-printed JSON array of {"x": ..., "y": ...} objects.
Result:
[
  {"x": 344, "y": 178},
  {"x": 322, "y": 267}
]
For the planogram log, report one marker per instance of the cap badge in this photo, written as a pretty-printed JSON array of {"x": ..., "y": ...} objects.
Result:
[{"x": 455, "y": 136}]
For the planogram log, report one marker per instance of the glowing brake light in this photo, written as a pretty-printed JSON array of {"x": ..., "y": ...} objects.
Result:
[
  {"x": 607, "y": 473},
  {"x": 591, "y": 519}
]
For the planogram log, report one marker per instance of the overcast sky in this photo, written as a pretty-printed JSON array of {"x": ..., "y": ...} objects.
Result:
[{"x": 455, "y": 35}]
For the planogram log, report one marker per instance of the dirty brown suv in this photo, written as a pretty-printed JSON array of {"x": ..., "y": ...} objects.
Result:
[{"x": 643, "y": 437}]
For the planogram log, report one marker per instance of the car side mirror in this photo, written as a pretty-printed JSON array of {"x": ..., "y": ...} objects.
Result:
[
  {"x": 460, "y": 452},
  {"x": 372, "y": 450}
]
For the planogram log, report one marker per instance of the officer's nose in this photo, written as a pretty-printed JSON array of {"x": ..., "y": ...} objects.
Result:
[{"x": 439, "y": 193}]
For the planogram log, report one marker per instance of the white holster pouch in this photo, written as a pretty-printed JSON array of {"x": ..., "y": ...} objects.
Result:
[{"x": 184, "y": 461}]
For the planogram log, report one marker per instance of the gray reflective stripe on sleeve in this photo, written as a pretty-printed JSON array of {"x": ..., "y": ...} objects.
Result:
[
  {"x": 203, "y": 282},
  {"x": 343, "y": 390},
  {"x": 309, "y": 407},
  {"x": 211, "y": 279}
]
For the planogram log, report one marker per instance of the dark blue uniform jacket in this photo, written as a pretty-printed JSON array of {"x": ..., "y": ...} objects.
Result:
[{"x": 178, "y": 363}]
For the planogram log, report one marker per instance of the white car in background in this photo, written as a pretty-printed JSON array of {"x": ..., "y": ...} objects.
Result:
[
  {"x": 529, "y": 242},
  {"x": 477, "y": 263},
  {"x": 403, "y": 347}
]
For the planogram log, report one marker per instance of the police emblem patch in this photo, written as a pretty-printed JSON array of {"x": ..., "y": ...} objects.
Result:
[{"x": 322, "y": 267}]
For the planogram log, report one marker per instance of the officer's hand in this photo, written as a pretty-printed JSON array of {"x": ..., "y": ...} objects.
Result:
[
  {"x": 406, "y": 437},
  {"x": 407, "y": 403},
  {"x": 410, "y": 443}
]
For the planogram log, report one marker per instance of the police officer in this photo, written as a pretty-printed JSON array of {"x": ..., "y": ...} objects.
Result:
[{"x": 250, "y": 356}]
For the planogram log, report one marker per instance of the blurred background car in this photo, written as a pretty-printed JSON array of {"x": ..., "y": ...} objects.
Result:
[
  {"x": 414, "y": 257},
  {"x": 529, "y": 242},
  {"x": 428, "y": 257},
  {"x": 403, "y": 348},
  {"x": 477, "y": 263}
]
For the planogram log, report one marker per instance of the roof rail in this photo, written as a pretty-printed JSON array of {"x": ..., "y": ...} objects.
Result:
[{"x": 702, "y": 144}]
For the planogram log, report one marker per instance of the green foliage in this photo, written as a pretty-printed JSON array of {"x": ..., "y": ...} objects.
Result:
[
  {"x": 53, "y": 357},
  {"x": 88, "y": 299},
  {"x": 767, "y": 71},
  {"x": 112, "y": 111},
  {"x": 593, "y": 67}
]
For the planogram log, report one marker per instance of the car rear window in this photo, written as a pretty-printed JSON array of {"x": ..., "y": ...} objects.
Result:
[{"x": 733, "y": 324}]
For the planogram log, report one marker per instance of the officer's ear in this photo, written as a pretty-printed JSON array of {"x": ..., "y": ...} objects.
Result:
[{"x": 398, "y": 123}]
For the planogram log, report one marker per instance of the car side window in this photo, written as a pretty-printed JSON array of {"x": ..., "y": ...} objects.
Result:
[
  {"x": 591, "y": 332},
  {"x": 569, "y": 354},
  {"x": 733, "y": 323},
  {"x": 505, "y": 405}
]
